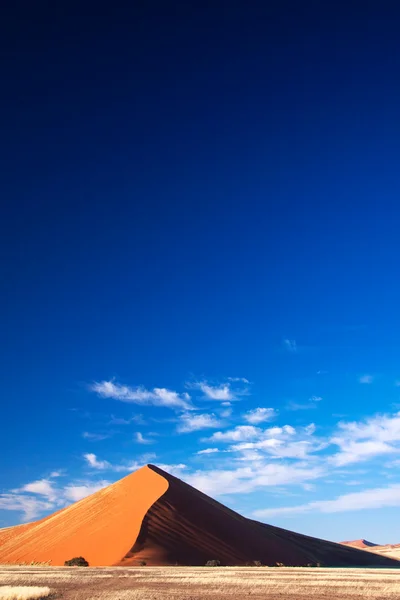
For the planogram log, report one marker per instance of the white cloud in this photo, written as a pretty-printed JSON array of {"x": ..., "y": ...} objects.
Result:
[
  {"x": 75, "y": 492},
  {"x": 249, "y": 478},
  {"x": 95, "y": 437},
  {"x": 353, "y": 452},
  {"x": 208, "y": 451},
  {"x": 30, "y": 506},
  {"x": 363, "y": 440},
  {"x": 366, "y": 499},
  {"x": 138, "y": 419},
  {"x": 140, "y": 395},
  {"x": 238, "y": 434},
  {"x": 226, "y": 413},
  {"x": 175, "y": 470},
  {"x": 226, "y": 403},
  {"x": 93, "y": 462},
  {"x": 366, "y": 379},
  {"x": 289, "y": 345},
  {"x": 140, "y": 439},
  {"x": 42, "y": 487},
  {"x": 245, "y": 433},
  {"x": 310, "y": 404},
  {"x": 194, "y": 422},
  {"x": 258, "y": 415},
  {"x": 25, "y": 501},
  {"x": 218, "y": 392},
  {"x": 224, "y": 392}
]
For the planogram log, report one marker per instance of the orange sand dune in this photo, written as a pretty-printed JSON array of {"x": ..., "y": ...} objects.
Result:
[
  {"x": 153, "y": 516},
  {"x": 100, "y": 527},
  {"x": 359, "y": 544}
]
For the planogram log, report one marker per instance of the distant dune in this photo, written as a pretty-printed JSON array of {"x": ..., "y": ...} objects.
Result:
[
  {"x": 154, "y": 517},
  {"x": 359, "y": 544},
  {"x": 388, "y": 550}
]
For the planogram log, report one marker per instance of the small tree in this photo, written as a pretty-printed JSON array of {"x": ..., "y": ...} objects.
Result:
[
  {"x": 77, "y": 561},
  {"x": 142, "y": 563},
  {"x": 213, "y": 563}
]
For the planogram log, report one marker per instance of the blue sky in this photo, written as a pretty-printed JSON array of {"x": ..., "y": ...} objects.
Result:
[{"x": 199, "y": 251}]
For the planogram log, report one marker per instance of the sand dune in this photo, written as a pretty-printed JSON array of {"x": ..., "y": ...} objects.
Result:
[
  {"x": 100, "y": 527},
  {"x": 154, "y": 517},
  {"x": 389, "y": 550},
  {"x": 359, "y": 544}
]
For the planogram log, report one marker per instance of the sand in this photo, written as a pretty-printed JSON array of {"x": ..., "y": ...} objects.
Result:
[
  {"x": 100, "y": 527},
  {"x": 152, "y": 517},
  {"x": 359, "y": 544},
  {"x": 202, "y": 583},
  {"x": 388, "y": 550}
]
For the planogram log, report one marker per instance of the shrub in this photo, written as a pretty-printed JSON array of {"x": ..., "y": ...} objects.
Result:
[
  {"x": 23, "y": 592},
  {"x": 77, "y": 561},
  {"x": 213, "y": 563},
  {"x": 142, "y": 563}
]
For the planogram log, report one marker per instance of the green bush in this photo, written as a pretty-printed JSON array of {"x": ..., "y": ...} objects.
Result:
[
  {"x": 213, "y": 563},
  {"x": 77, "y": 561}
]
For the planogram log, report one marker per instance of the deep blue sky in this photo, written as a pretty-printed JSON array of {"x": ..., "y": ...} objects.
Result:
[{"x": 184, "y": 187}]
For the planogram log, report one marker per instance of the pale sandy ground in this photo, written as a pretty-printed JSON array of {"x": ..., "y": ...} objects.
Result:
[
  {"x": 389, "y": 551},
  {"x": 207, "y": 583}
]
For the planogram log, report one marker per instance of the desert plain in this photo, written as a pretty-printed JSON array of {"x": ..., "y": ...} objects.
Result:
[{"x": 204, "y": 583}]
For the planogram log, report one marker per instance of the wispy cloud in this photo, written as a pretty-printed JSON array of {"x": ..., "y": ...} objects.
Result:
[
  {"x": 226, "y": 413},
  {"x": 250, "y": 478},
  {"x": 310, "y": 404},
  {"x": 95, "y": 437},
  {"x": 226, "y": 391},
  {"x": 138, "y": 419},
  {"x": 289, "y": 345},
  {"x": 194, "y": 422},
  {"x": 366, "y": 499},
  {"x": 93, "y": 462},
  {"x": 140, "y": 439},
  {"x": 141, "y": 395},
  {"x": 258, "y": 415},
  {"x": 208, "y": 451},
  {"x": 238, "y": 434},
  {"x": 42, "y": 487},
  {"x": 366, "y": 379},
  {"x": 218, "y": 392},
  {"x": 41, "y": 496},
  {"x": 75, "y": 492},
  {"x": 362, "y": 440},
  {"x": 30, "y": 506}
]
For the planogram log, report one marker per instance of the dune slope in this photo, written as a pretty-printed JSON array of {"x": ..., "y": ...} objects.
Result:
[
  {"x": 154, "y": 517},
  {"x": 100, "y": 527},
  {"x": 186, "y": 527}
]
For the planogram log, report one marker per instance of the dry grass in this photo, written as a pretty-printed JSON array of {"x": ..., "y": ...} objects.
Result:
[
  {"x": 199, "y": 583},
  {"x": 21, "y": 592}
]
